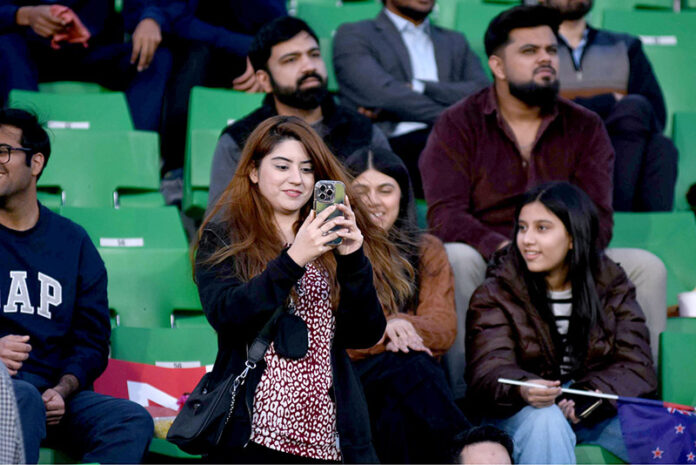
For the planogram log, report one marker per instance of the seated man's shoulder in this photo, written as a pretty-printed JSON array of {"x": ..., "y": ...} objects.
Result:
[
  {"x": 468, "y": 110},
  {"x": 356, "y": 28},
  {"x": 607, "y": 38}
]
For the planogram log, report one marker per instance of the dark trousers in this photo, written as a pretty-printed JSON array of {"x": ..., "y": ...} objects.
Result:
[
  {"x": 28, "y": 60},
  {"x": 409, "y": 147},
  {"x": 412, "y": 412},
  {"x": 95, "y": 428},
  {"x": 195, "y": 64},
  {"x": 645, "y": 170}
]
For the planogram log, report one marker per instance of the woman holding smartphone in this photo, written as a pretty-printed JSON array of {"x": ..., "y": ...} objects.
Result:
[
  {"x": 556, "y": 311},
  {"x": 269, "y": 248},
  {"x": 414, "y": 418}
]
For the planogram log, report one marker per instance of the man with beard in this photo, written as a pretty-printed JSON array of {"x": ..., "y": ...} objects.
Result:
[
  {"x": 289, "y": 67},
  {"x": 609, "y": 73},
  {"x": 403, "y": 71},
  {"x": 487, "y": 150}
]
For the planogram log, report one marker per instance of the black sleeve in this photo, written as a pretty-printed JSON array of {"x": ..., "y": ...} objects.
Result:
[
  {"x": 360, "y": 322},
  {"x": 232, "y": 304},
  {"x": 642, "y": 80},
  {"x": 601, "y": 104}
]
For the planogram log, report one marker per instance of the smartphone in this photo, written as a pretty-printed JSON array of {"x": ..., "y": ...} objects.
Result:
[{"x": 327, "y": 193}]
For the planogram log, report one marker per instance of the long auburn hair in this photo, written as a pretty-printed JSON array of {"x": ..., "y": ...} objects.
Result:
[
  {"x": 253, "y": 235},
  {"x": 578, "y": 214},
  {"x": 404, "y": 233}
]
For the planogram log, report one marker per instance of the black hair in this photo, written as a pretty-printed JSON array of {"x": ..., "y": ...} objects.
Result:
[
  {"x": 477, "y": 434},
  {"x": 578, "y": 214},
  {"x": 498, "y": 32},
  {"x": 34, "y": 136},
  {"x": 405, "y": 233},
  {"x": 271, "y": 34}
]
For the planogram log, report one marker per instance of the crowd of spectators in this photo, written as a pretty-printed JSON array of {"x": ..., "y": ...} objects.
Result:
[{"x": 408, "y": 331}]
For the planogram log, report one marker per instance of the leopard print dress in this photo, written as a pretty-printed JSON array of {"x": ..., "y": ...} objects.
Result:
[{"x": 293, "y": 409}]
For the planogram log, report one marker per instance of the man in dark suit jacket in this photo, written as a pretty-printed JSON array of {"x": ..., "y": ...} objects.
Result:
[{"x": 399, "y": 68}]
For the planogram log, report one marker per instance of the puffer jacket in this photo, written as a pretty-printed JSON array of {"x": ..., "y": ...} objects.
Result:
[{"x": 507, "y": 337}]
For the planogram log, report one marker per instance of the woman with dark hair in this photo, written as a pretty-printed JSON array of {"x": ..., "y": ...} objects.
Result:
[
  {"x": 556, "y": 311},
  {"x": 414, "y": 418},
  {"x": 269, "y": 248}
]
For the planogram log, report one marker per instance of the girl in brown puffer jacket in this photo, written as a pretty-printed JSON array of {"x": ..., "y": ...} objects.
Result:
[{"x": 555, "y": 311}]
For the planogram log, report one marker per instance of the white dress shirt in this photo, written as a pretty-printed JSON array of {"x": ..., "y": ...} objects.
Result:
[{"x": 422, "y": 56}]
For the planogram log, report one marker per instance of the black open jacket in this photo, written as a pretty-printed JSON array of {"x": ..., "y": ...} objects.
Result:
[{"x": 238, "y": 310}]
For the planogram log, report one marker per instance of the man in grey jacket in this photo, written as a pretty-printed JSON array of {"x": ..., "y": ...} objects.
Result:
[{"x": 403, "y": 71}]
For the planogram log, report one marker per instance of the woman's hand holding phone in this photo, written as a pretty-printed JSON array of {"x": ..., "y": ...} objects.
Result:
[
  {"x": 312, "y": 237},
  {"x": 349, "y": 232}
]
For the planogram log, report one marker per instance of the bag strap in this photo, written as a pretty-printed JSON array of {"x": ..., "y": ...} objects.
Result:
[{"x": 258, "y": 347}]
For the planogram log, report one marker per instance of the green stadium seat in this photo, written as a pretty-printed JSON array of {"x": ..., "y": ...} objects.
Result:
[
  {"x": 102, "y": 169},
  {"x": 156, "y": 345},
  {"x": 445, "y": 12},
  {"x": 422, "y": 213},
  {"x": 670, "y": 236},
  {"x": 681, "y": 325},
  {"x": 684, "y": 137},
  {"x": 48, "y": 455},
  {"x": 210, "y": 111},
  {"x": 594, "y": 454},
  {"x": 100, "y": 111},
  {"x": 326, "y": 47},
  {"x": 71, "y": 87},
  {"x": 324, "y": 19},
  {"x": 472, "y": 20},
  {"x": 677, "y": 376},
  {"x": 147, "y": 260}
]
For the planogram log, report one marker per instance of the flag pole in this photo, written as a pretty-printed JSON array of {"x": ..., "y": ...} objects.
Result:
[{"x": 601, "y": 395}]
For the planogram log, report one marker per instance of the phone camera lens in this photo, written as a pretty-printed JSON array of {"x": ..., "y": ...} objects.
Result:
[
  {"x": 322, "y": 196},
  {"x": 322, "y": 188},
  {"x": 329, "y": 192}
]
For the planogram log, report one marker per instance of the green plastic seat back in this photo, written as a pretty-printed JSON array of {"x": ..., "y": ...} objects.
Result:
[
  {"x": 210, "y": 111},
  {"x": 145, "y": 252},
  {"x": 670, "y": 236},
  {"x": 72, "y": 87},
  {"x": 100, "y": 111},
  {"x": 585, "y": 453},
  {"x": 422, "y": 213},
  {"x": 685, "y": 140},
  {"x": 153, "y": 345},
  {"x": 324, "y": 19},
  {"x": 677, "y": 376},
  {"x": 472, "y": 20},
  {"x": 86, "y": 168}
]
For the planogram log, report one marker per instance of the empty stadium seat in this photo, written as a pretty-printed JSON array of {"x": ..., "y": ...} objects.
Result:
[
  {"x": 102, "y": 169},
  {"x": 157, "y": 345},
  {"x": 101, "y": 111},
  {"x": 210, "y": 111},
  {"x": 670, "y": 236},
  {"x": 324, "y": 19},
  {"x": 146, "y": 256},
  {"x": 677, "y": 376},
  {"x": 685, "y": 139}
]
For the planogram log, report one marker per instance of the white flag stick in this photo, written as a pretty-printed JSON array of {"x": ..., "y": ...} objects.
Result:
[{"x": 600, "y": 395}]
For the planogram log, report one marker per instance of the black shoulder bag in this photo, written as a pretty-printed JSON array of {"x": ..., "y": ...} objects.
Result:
[{"x": 199, "y": 425}]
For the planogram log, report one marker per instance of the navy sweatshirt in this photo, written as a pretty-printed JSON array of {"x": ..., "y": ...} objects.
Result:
[{"x": 53, "y": 288}]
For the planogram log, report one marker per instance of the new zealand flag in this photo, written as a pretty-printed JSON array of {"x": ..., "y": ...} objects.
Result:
[{"x": 655, "y": 432}]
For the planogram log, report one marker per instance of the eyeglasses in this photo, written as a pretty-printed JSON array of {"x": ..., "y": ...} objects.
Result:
[{"x": 6, "y": 150}]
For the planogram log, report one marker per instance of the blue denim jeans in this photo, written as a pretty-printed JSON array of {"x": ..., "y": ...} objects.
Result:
[
  {"x": 544, "y": 435},
  {"x": 95, "y": 428}
]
